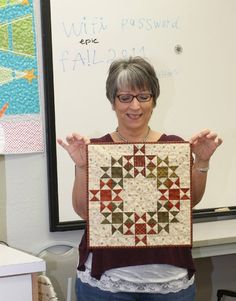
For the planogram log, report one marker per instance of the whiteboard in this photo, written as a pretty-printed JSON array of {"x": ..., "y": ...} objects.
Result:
[{"x": 192, "y": 47}]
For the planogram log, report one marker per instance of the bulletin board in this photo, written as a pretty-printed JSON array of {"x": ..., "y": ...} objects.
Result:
[{"x": 190, "y": 44}]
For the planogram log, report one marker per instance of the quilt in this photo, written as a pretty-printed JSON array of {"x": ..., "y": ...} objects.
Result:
[
  {"x": 139, "y": 195},
  {"x": 21, "y": 127}
]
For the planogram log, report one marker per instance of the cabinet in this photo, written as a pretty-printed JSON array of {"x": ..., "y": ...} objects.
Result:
[{"x": 18, "y": 279}]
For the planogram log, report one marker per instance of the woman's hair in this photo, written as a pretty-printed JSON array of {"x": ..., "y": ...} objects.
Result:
[{"x": 131, "y": 73}]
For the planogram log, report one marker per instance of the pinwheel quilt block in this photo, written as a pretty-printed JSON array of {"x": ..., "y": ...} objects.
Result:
[{"x": 139, "y": 195}]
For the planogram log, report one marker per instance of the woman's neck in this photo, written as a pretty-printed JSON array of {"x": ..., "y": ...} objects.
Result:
[{"x": 134, "y": 135}]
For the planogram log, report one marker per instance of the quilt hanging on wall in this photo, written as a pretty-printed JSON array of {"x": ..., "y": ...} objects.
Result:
[
  {"x": 139, "y": 195},
  {"x": 20, "y": 120}
]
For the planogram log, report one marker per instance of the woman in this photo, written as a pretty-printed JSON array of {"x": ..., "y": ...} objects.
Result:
[{"x": 164, "y": 273}]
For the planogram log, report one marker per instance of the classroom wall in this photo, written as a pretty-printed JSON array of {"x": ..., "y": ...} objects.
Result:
[
  {"x": 24, "y": 219},
  {"x": 27, "y": 221}
]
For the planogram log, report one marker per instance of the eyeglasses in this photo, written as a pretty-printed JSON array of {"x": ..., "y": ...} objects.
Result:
[{"x": 126, "y": 98}]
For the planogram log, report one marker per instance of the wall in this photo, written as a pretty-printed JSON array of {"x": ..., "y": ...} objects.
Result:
[{"x": 27, "y": 204}]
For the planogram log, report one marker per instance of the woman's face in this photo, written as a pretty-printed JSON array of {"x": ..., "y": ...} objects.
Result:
[{"x": 135, "y": 114}]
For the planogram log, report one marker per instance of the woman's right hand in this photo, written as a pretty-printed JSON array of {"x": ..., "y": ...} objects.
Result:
[{"x": 75, "y": 145}]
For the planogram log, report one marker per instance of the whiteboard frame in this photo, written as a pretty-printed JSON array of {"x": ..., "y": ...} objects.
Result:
[
  {"x": 54, "y": 218},
  {"x": 199, "y": 215}
]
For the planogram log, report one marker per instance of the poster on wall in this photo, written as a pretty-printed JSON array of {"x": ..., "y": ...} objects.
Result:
[{"x": 20, "y": 119}]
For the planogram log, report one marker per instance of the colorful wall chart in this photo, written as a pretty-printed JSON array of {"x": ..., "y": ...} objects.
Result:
[{"x": 20, "y": 120}]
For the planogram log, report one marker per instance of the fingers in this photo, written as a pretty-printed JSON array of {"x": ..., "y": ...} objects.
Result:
[
  {"x": 206, "y": 134},
  {"x": 80, "y": 138},
  {"x": 70, "y": 139},
  {"x": 214, "y": 137},
  {"x": 218, "y": 141},
  {"x": 61, "y": 143},
  {"x": 75, "y": 138},
  {"x": 199, "y": 135}
]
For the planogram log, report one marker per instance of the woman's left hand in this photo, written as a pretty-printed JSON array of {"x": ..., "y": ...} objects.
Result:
[{"x": 204, "y": 144}]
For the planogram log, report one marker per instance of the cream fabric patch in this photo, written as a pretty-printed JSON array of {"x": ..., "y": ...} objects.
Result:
[{"x": 139, "y": 195}]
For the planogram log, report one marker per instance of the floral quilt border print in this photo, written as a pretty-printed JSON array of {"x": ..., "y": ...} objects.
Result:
[{"x": 139, "y": 195}]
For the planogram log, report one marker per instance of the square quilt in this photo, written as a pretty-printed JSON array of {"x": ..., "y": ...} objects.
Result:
[{"x": 139, "y": 195}]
